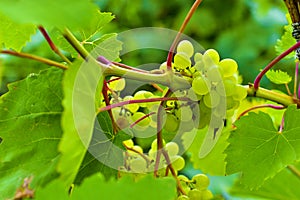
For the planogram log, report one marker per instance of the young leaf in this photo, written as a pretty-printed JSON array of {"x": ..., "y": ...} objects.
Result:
[
  {"x": 286, "y": 40},
  {"x": 96, "y": 187},
  {"x": 214, "y": 162},
  {"x": 278, "y": 77},
  {"x": 14, "y": 35},
  {"x": 30, "y": 130},
  {"x": 259, "y": 151},
  {"x": 49, "y": 13}
]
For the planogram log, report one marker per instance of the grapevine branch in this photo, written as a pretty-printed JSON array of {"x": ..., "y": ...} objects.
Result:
[
  {"x": 272, "y": 63},
  {"x": 261, "y": 106},
  {"x": 52, "y": 45},
  {"x": 34, "y": 57}
]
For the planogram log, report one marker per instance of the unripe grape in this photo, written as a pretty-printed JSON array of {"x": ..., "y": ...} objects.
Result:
[
  {"x": 214, "y": 73},
  {"x": 184, "y": 113},
  {"x": 131, "y": 107},
  {"x": 195, "y": 194},
  {"x": 213, "y": 54},
  {"x": 183, "y": 197},
  {"x": 229, "y": 66},
  {"x": 142, "y": 94},
  {"x": 128, "y": 143},
  {"x": 172, "y": 123},
  {"x": 143, "y": 123},
  {"x": 230, "y": 87},
  {"x": 177, "y": 162},
  {"x": 201, "y": 181},
  {"x": 198, "y": 57},
  {"x": 172, "y": 148},
  {"x": 182, "y": 61},
  {"x": 154, "y": 144},
  {"x": 186, "y": 47},
  {"x": 240, "y": 93},
  {"x": 212, "y": 99},
  {"x": 138, "y": 165},
  {"x": 117, "y": 85},
  {"x": 207, "y": 195},
  {"x": 201, "y": 85}
]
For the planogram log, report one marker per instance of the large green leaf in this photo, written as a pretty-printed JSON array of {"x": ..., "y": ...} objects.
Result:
[
  {"x": 49, "y": 13},
  {"x": 283, "y": 186},
  {"x": 96, "y": 187},
  {"x": 30, "y": 128},
  {"x": 214, "y": 162},
  {"x": 14, "y": 35},
  {"x": 259, "y": 151}
]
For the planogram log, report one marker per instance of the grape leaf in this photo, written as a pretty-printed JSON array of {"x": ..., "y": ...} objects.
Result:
[
  {"x": 96, "y": 187},
  {"x": 278, "y": 77},
  {"x": 30, "y": 128},
  {"x": 64, "y": 13},
  {"x": 287, "y": 40},
  {"x": 259, "y": 151},
  {"x": 214, "y": 162},
  {"x": 280, "y": 187},
  {"x": 14, "y": 35}
]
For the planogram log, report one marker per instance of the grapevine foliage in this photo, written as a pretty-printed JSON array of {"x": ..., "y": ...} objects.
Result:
[{"x": 81, "y": 132}]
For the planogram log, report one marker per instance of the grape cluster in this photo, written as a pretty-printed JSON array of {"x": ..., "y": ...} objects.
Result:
[
  {"x": 196, "y": 189},
  {"x": 214, "y": 87},
  {"x": 136, "y": 161}
]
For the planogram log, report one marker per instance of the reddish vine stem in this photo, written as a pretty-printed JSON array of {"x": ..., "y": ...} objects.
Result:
[
  {"x": 281, "y": 125},
  {"x": 52, "y": 45},
  {"x": 260, "y": 106},
  {"x": 107, "y": 103},
  {"x": 142, "y": 101},
  {"x": 129, "y": 67},
  {"x": 272, "y": 63},
  {"x": 36, "y": 58},
  {"x": 140, "y": 154},
  {"x": 183, "y": 25}
]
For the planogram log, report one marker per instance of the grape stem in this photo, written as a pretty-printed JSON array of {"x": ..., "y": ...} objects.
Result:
[
  {"x": 141, "y": 154},
  {"x": 261, "y": 106},
  {"x": 52, "y": 45},
  {"x": 109, "y": 107},
  {"x": 281, "y": 125},
  {"x": 183, "y": 25},
  {"x": 280, "y": 98},
  {"x": 34, "y": 57},
  {"x": 107, "y": 103},
  {"x": 272, "y": 63}
]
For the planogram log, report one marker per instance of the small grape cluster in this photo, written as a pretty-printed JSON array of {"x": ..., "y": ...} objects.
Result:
[
  {"x": 214, "y": 87},
  {"x": 196, "y": 189},
  {"x": 136, "y": 162}
]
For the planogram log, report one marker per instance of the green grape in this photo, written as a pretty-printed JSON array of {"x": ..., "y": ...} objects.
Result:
[
  {"x": 203, "y": 108},
  {"x": 142, "y": 94},
  {"x": 172, "y": 123},
  {"x": 154, "y": 144},
  {"x": 229, "y": 67},
  {"x": 201, "y": 85},
  {"x": 183, "y": 197},
  {"x": 198, "y": 57},
  {"x": 220, "y": 88},
  {"x": 212, "y": 99},
  {"x": 230, "y": 87},
  {"x": 136, "y": 148},
  {"x": 117, "y": 85},
  {"x": 177, "y": 162},
  {"x": 199, "y": 66},
  {"x": 184, "y": 113},
  {"x": 183, "y": 178},
  {"x": 138, "y": 165},
  {"x": 128, "y": 143},
  {"x": 195, "y": 194},
  {"x": 131, "y": 107},
  {"x": 186, "y": 126},
  {"x": 143, "y": 123},
  {"x": 172, "y": 148},
  {"x": 170, "y": 104},
  {"x": 231, "y": 103},
  {"x": 201, "y": 181},
  {"x": 240, "y": 93},
  {"x": 186, "y": 47},
  {"x": 214, "y": 74},
  {"x": 207, "y": 195},
  {"x": 193, "y": 96},
  {"x": 181, "y": 61},
  {"x": 213, "y": 54}
]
